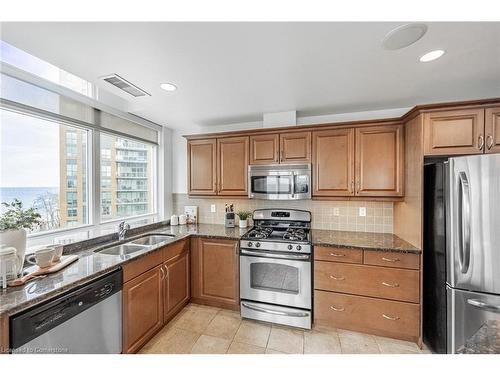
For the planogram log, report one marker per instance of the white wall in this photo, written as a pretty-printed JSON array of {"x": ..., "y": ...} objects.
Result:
[{"x": 179, "y": 144}]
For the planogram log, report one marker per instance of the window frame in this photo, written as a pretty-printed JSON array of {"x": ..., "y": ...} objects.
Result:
[{"x": 95, "y": 223}]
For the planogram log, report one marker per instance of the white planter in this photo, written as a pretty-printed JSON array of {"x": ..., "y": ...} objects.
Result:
[
  {"x": 17, "y": 239},
  {"x": 243, "y": 223}
]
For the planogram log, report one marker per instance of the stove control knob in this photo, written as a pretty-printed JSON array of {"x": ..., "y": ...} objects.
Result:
[
  {"x": 299, "y": 247},
  {"x": 257, "y": 244},
  {"x": 250, "y": 244},
  {"x": 290, "y": 247}
]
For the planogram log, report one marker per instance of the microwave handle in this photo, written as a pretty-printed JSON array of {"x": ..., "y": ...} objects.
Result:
[{"x": 293, "y": 184}]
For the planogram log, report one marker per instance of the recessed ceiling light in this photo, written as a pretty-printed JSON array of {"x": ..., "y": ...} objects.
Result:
[
  {"x": 433, "y": 55},
  {"x": 404, "y": 35},
  {"x": 168, "y": 86}
]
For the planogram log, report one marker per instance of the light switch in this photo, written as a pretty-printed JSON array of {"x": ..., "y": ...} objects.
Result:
[
  {"x": 362, "y": 211},
  {"x": 212, "y": 208},
  {"x": 336, "y": 211}
]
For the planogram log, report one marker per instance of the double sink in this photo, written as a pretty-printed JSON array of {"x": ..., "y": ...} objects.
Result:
[{"x": 140, "y": 244}]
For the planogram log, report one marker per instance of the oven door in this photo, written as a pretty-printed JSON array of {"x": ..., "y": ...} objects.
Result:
[
  {"x": 281, "y": 279},
  {"x": 280, "y": 182}
]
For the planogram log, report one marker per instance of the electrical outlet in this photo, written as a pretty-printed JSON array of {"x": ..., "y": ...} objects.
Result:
[
  {"x": 212, "y": 208},
  {"x": 336, "y": 211},
  {"x": 362, "y": 211}
]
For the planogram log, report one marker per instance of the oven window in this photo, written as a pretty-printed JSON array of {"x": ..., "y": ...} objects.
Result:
[
  {"x": 271, "y": 184},
  {"x": 274, "y": 277}
]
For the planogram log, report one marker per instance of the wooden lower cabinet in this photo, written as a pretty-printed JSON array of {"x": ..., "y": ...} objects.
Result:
[
  {"x": 371, "y": 315},
  {"x": 341, "y": 255},
  {"x": 142, "y": 309},
  {"x": 176, "y": 287},
  {"x": 215, "y": 272}
]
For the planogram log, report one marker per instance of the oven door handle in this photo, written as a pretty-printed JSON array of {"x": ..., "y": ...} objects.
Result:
[
  {"x": 274, "y": 312},
  {"x": 279, "y": 256}
]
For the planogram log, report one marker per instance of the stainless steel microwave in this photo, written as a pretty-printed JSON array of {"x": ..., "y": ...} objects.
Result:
[{"x": 280, "y": 181}]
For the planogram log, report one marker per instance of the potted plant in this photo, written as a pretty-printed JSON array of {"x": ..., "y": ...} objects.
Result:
[
  {"x": 243, "y": 216},
  {"x": 13, "y": 224}
]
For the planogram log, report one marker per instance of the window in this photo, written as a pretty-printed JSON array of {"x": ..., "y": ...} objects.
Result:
[
  {"x": 129, "y": 191},
  {"x": 37, "y": 168}
]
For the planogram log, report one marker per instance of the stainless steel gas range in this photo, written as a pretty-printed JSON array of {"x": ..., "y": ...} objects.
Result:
[{"x": 276, "y": 268}]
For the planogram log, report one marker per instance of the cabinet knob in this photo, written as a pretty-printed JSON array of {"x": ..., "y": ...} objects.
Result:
[
  {"x": 489, "y": 141},
  {"x": 480, "y": 142}
]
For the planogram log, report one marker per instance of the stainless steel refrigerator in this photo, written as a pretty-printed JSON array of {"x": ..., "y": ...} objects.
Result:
[{"x": 461, "y": 287}]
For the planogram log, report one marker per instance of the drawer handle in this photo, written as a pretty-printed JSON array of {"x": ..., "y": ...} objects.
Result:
[
  {"x": 339, "y": 309},
  {"x": 395, "y": 285},
  {"x": 390, "y": 317},
  {"x": 390, "y": 260},
  {"x": 337, "y": 277},
  {"x": 337, "y": 255}
]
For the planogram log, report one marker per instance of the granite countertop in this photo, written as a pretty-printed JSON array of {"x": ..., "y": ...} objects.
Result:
[
  {"x": 92, "y": 265},
  {"x": 362, "y": 240},
  {"x": 485, "y": 341}
]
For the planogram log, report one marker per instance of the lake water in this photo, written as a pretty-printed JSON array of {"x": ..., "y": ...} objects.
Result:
[{"x": 27, "y": 195}]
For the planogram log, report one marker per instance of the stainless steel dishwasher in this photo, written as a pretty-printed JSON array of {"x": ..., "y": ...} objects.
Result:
[{"x": 87, "y": 319}]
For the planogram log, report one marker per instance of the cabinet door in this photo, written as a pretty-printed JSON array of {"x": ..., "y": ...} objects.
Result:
[
  {"x": 176, "y": 290},
  {"x": 202, "y": 167},
  {"x": 454, "y": 132},
  {"x": 295, "y": 147},
  {"x": 264, "y": 149},
  {"x": 333, "y": 162},
  {"x": 232, "y": 166},
  {"x": 492, "y": 129},
  {"x": 142, "y": 309},
  {"x": 215, "y": 273},
  {"x": 379, "y": 161}
]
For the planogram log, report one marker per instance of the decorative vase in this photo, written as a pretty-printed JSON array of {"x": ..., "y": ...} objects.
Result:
[
  {"x": 17, "y": 239},
  {"x": 243, "y": 223}
]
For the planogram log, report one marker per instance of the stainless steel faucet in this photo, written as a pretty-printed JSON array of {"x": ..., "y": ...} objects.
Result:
[{"x": 122, "y": 230}]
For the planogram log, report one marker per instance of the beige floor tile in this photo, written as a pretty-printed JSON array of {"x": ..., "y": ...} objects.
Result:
[
  {"x": 224, "y": 326},
  {"x": 272, "y": 351},
  {"x": 389, "y": 345},
  {"x": 172, "y": 341},
  {"x": 319, "y": 342},
  {"x": 195, "y": 319},
  {"x": 286, "y": 340},
  {"x": 324, "y": 329},
  {"x": 231, "y": 313},
  {"x": 241, "y": 348},
  {"x": 357, "y": 343},
  {"x": 210, "y": 345},
  {"x": 253, "y": 333}
]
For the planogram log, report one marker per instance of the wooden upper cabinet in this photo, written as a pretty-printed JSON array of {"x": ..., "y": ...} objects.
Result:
[
  {"x": 492, "y": 129},
  {"x": 333, "y": 162},
  {"x": 232, "y": 165},
  {"x": 264, "y": 149},
  {"x": 215, "y": 273},
  {"x": 380, "y": 161},
  {"x": 142, "y": 309},
  {"x": 202, "y": 166},
  {"x": 454, "y": 132},
  {"x": 295, "y": 147}
]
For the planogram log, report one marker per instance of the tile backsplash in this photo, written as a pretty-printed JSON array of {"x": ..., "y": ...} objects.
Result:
[{"x": 379, "y": 215}]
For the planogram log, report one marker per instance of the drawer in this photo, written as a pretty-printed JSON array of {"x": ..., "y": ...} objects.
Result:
[
  {"x": 382, "y": 282},
  {"x": 336, "y": 254},
  {"x": 175, "y": 249},
  {"x": 141, "y": 265},
  {"x": 392, "y": 259},
  {"x": 371, "y": 315}
]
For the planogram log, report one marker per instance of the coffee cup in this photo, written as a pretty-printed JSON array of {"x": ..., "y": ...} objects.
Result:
[
  {"x": 58, "y": 253},
  {"x": 43, "y": 257}
]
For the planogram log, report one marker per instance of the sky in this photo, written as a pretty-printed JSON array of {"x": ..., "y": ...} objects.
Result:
[{"x": 29, "y": 151}]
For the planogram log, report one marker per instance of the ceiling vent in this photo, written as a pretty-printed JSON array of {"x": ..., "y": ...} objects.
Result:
[{"x": 123, "y": 84}]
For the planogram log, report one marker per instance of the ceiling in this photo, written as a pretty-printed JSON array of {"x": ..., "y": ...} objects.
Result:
[{"x": 235, "y": 72}]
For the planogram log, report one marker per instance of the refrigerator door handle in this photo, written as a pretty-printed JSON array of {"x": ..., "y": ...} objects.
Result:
[
  {"x": 464, "y": 223},
  {"x": 484, "y": 305}
]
